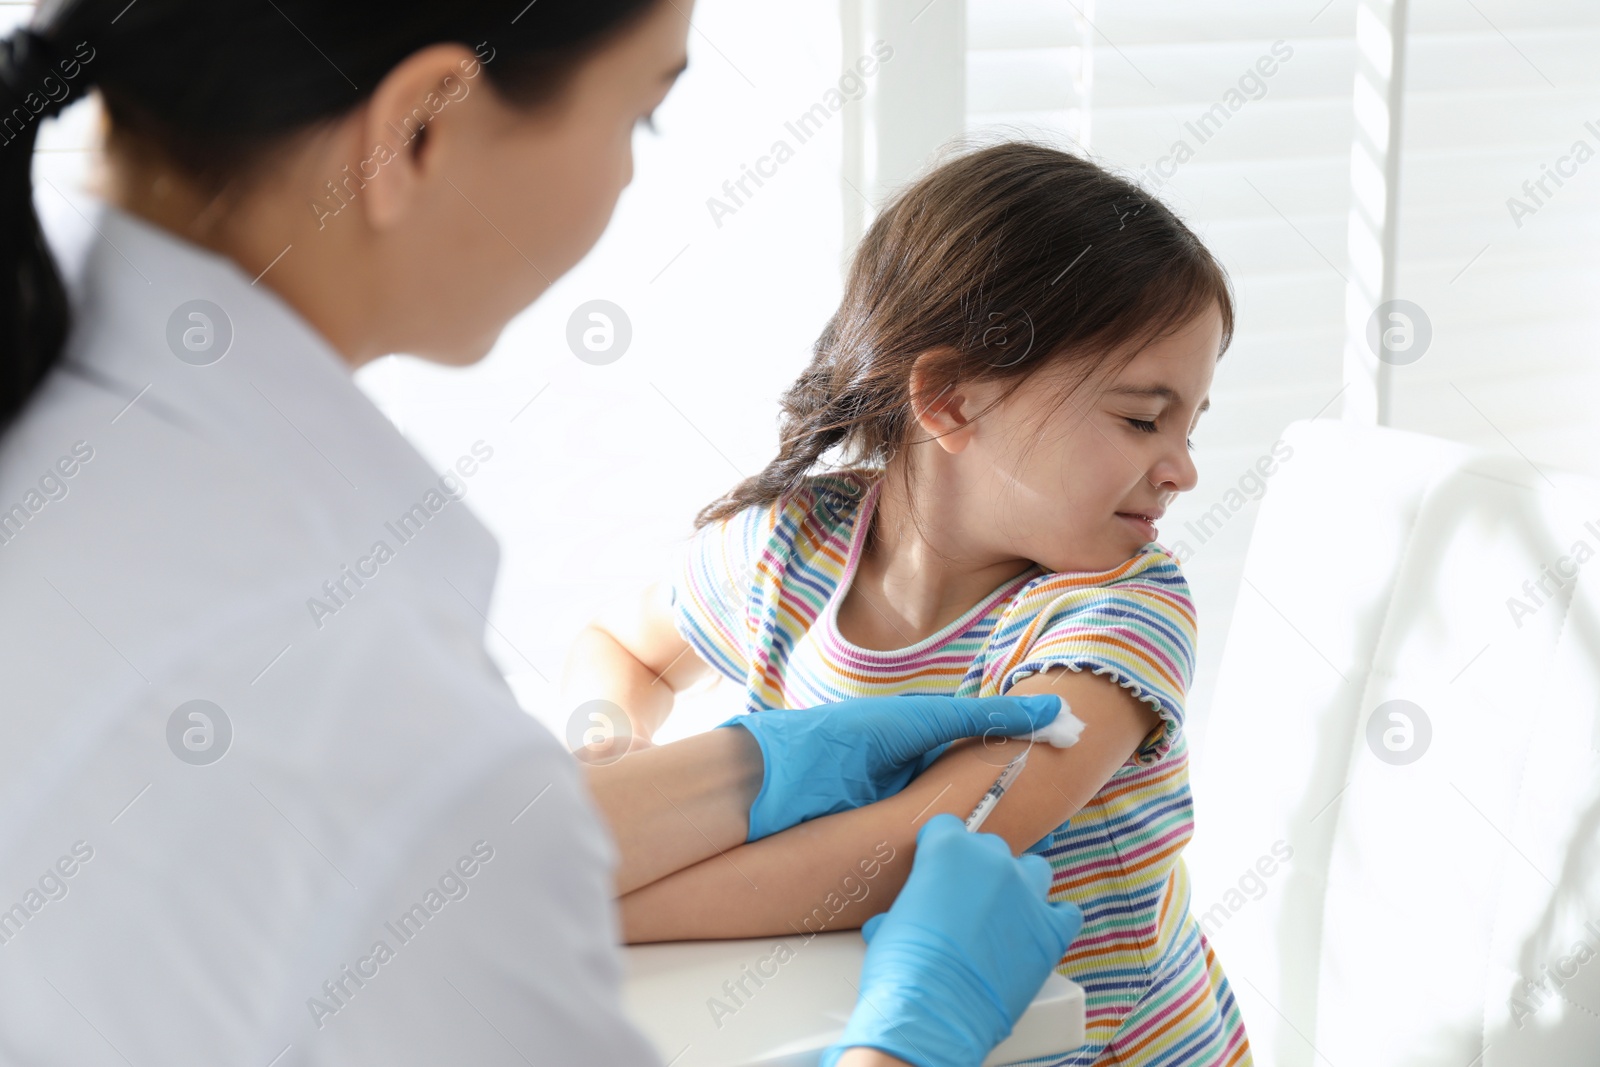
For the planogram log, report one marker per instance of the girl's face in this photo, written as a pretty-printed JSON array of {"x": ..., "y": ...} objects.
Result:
[{"x": 1080, "y": 483}]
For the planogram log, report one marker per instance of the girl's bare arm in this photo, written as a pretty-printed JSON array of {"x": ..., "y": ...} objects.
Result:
[
  {"x": 634, "y": 657},
  {"x": 836, "y": 872}
]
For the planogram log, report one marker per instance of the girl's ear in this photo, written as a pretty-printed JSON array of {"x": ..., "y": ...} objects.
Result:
[{"x": 944, "y": 412}]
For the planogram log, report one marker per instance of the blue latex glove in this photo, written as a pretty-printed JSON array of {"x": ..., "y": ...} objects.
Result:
[
  {"x": 836, "y": 757},
  {"x": 954, "y": 963}
]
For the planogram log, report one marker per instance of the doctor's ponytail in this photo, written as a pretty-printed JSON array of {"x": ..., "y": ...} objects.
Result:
[
  {"x": 37, "y": 80},
  {"x": 212, "y": 89}
]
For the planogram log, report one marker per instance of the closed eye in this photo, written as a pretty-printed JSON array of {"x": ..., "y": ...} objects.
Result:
[{"x": 1149, "y": 426}]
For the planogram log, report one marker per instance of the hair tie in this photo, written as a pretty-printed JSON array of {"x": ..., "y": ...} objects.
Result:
[{"x": 27, "y": 60}]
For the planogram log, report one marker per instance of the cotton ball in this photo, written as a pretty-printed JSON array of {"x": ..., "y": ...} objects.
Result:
[{"x": 1063, "y": 731}]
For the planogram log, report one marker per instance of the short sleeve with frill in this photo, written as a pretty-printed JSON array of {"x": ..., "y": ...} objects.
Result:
[{"x": 1134, "y": 624}]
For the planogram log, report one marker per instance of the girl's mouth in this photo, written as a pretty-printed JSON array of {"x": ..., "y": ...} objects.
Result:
[{"x": 1143, "y": 523}]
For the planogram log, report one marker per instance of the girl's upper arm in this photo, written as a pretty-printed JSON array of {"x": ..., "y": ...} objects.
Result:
[
  {"x": 1138, "y": 632},
  {"x": 1057, "y": 782}
]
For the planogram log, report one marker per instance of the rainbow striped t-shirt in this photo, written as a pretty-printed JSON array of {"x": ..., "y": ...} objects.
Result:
[{"x": 757, "y": 599}]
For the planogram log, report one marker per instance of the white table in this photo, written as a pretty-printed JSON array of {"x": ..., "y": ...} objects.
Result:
[{"x": 793, "y": 1003}]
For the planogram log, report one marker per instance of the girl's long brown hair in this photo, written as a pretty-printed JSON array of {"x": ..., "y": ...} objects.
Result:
[{"x": 994, "y": 264}]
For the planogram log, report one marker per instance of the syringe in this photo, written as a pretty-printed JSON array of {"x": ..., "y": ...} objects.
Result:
[{"x": 996, "y": 791}]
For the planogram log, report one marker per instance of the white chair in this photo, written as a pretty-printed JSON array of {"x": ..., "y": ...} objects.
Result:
[{"x": 1440, "y": 906}]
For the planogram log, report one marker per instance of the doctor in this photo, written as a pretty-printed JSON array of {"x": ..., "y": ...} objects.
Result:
[{"x": 264, "y": 798}]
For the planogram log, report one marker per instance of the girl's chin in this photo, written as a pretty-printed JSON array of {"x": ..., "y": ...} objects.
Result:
[{"x": 1095, "y": 563}]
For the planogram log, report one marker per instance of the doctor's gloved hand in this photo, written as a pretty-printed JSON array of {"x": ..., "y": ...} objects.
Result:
[
  {"x": 836, "y": 757},
  {"x": 957, "y": 959}
]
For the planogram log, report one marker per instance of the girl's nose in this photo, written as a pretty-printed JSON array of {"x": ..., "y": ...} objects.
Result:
[{"x": 1176, "y": 472}]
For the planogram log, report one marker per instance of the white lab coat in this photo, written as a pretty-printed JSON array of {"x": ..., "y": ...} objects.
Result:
[{"x": 166, "y": 530}]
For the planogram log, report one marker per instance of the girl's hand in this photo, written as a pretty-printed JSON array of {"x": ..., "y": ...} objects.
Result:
[{"x": 634, "y": 657}]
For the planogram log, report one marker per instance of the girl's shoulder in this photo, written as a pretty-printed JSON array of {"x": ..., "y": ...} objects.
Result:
[
  {"x": 1134, "y": 623},
  {"x": 1153, "y": 577},
  {"x": 1153, "y": 562},
  {"x": 815, "y": 519},
  {"x": 816, "y": 522},
  {"x": 819, "y": 517}
]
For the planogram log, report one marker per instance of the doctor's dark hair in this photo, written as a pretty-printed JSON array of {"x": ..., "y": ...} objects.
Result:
[
  {"x": 992, "y": 266},
  {"x": 212, "y": 88}
]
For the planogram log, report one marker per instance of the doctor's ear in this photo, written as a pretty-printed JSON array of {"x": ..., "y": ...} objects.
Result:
[
  {"x": 432, "y": 103},
  {"x": 945, "y": 411}
]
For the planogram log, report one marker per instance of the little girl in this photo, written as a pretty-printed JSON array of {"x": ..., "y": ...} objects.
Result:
[{"x": 1006, "y": 392}]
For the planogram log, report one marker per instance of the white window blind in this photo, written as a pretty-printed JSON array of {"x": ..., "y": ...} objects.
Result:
[{"x": 1497, "y": 245}]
